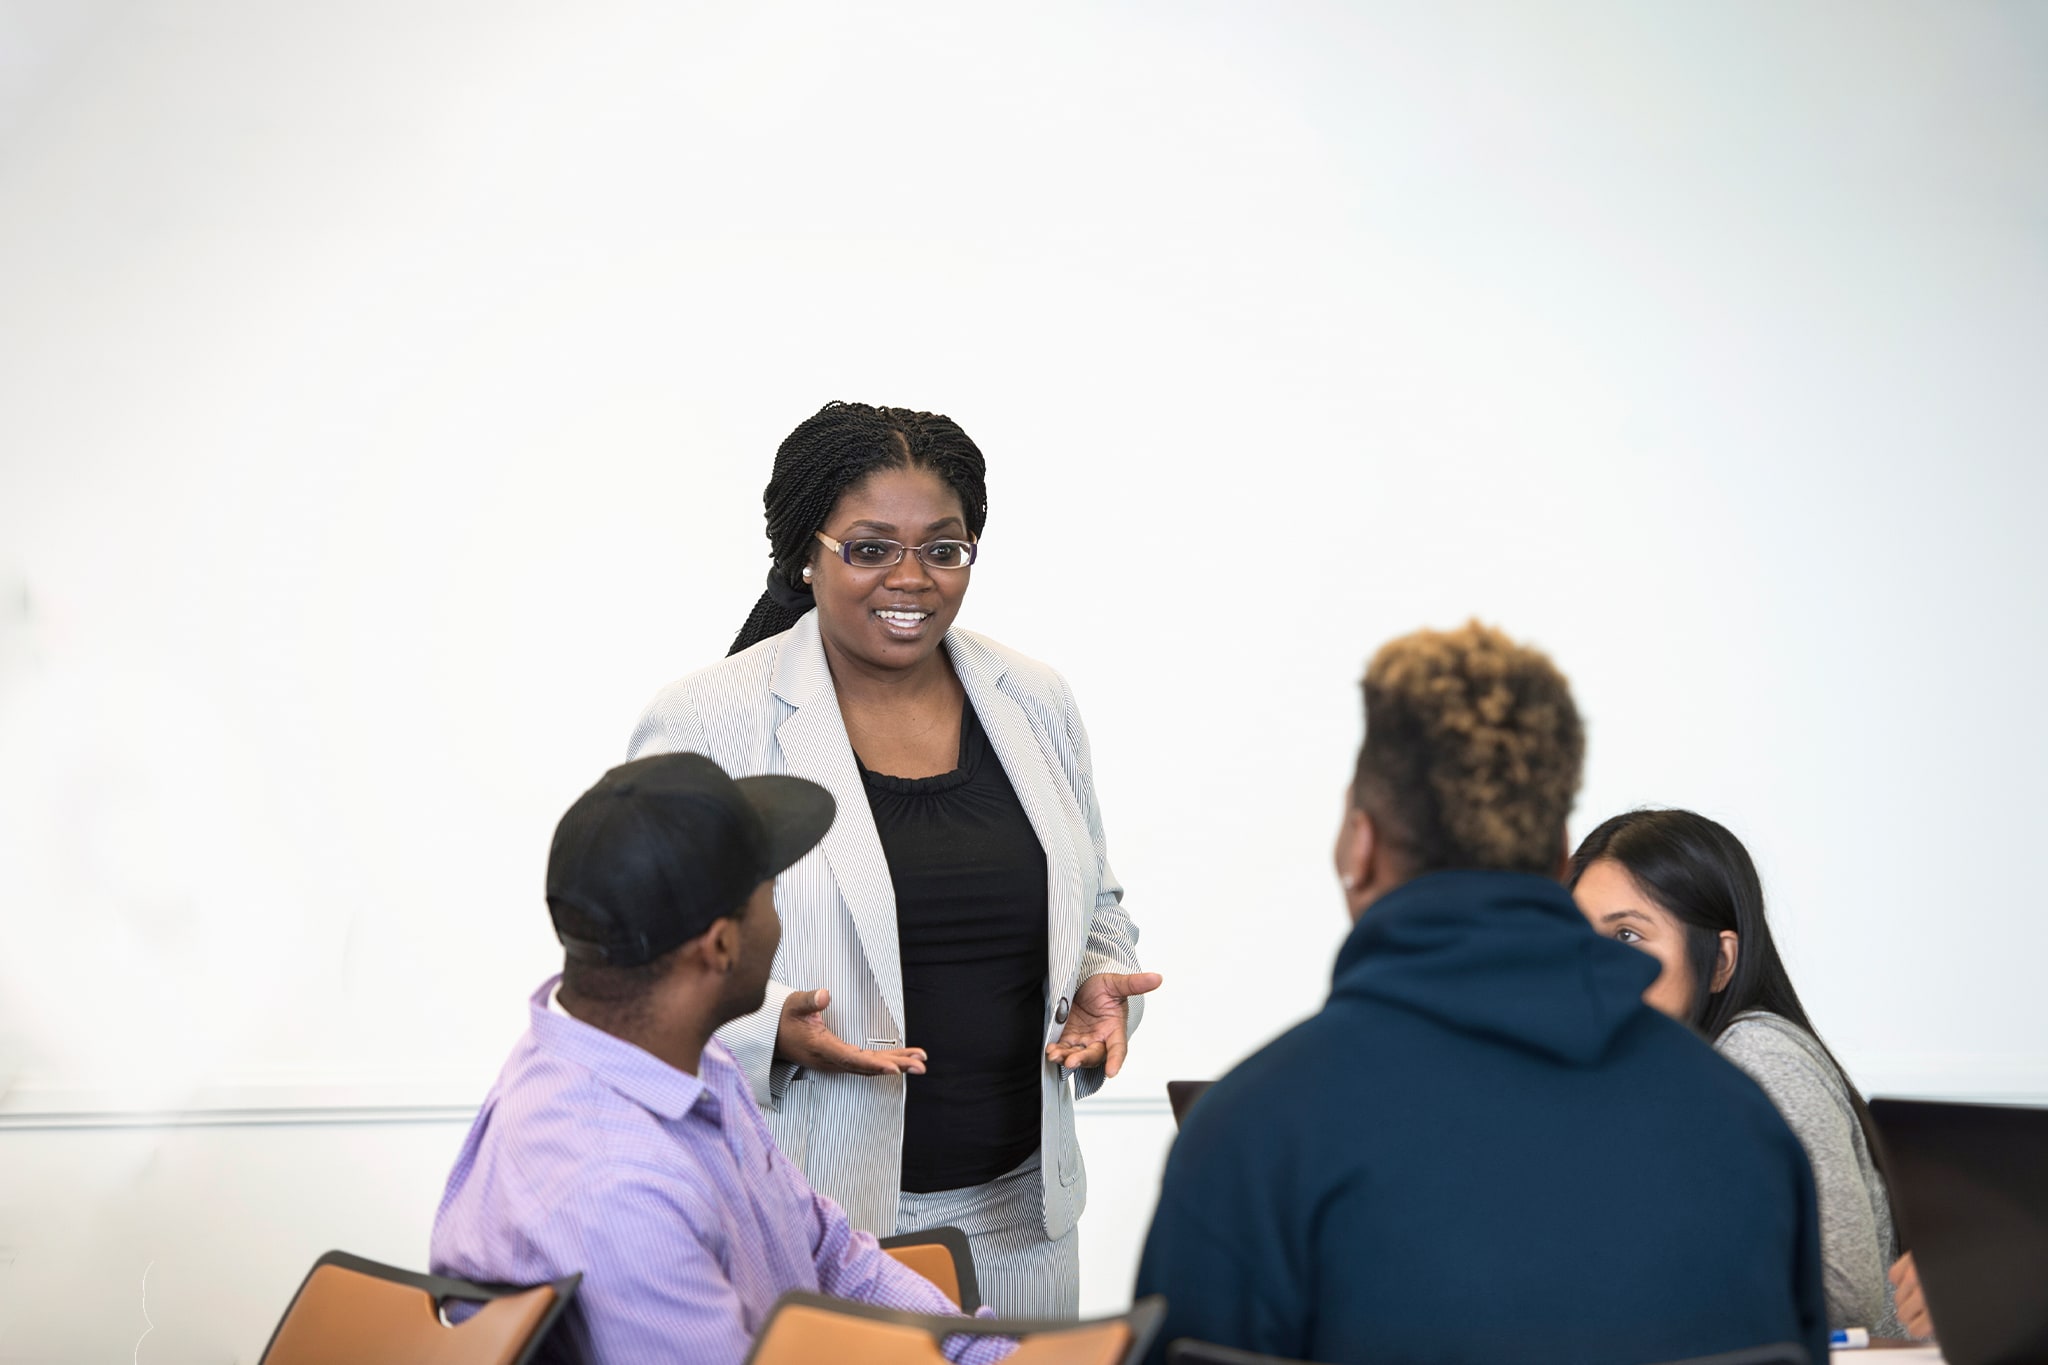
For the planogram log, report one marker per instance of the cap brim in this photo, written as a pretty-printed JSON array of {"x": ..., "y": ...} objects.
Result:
[{"x": 796, "y": 812}]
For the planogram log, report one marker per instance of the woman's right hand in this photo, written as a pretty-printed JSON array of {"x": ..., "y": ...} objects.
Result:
[{"x": 801, "y": 1037}]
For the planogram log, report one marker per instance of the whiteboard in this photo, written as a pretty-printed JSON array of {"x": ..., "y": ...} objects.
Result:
[{"x": 386, "y": 395}]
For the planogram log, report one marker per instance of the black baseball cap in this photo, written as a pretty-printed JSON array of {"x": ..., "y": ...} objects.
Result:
[{"x": 662, "y": 846}]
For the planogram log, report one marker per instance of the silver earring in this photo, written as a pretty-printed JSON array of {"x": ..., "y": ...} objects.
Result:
[{"x": 1348, "y": 882}]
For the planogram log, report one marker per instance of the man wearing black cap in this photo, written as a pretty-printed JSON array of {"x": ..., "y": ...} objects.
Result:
[{"x": 621, "y": 1139}]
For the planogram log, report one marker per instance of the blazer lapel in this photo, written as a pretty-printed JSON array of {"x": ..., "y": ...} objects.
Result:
[
  {"x": 814, "y": 745},
  {"x": 1031, "y": 767}
]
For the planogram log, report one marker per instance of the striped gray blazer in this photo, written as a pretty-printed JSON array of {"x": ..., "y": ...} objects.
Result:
[{"x": 772, "y": 709}]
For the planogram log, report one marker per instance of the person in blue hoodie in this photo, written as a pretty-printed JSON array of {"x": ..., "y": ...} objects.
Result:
[{"x": 1485, "y": 1147}]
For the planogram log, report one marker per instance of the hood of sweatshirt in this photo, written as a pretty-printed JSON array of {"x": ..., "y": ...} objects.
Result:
[{"x": 1503, "y": 955}]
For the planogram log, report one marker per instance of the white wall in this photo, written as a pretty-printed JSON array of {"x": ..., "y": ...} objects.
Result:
[{"x": 386, "y": 393}]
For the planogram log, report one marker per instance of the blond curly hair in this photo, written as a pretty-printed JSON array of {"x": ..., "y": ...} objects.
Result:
[{"x": 1472, "y": 751}]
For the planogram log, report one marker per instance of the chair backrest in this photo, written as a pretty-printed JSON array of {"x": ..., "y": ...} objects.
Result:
[
  {"x": 1188, "y": 1351},
  {"x": 1182, "y": 1096},
  {"x": 805, "y": 1328},
  {"x": 1777, "y": 1353},
  {"x": 942, "y": 1256},
  {"x": 349, "y": 1309},
  {"x": 1097, "y": 1343},
  {"x": 803, "y": 1333}
]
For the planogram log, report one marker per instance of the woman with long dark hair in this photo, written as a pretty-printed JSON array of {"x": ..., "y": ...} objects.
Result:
[
  {"x": 956, "y": 964},
  {"x": 1683, "y": 889}
]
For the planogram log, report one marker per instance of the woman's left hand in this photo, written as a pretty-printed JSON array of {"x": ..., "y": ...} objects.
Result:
[{"x": 1097, "y": 1029}]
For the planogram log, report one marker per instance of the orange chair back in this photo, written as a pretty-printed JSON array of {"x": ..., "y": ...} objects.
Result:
[
  {"x": 344, "y": 1317},
  {"x": 803, "y": 1334},
  {"x": 799, "y": 1334},
  {"x": 934, "y": 1261},
  {"x": 1099, "y": 1343}
]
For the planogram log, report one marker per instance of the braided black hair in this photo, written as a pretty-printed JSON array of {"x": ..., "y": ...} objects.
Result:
[{"x": 829, "y": 453}]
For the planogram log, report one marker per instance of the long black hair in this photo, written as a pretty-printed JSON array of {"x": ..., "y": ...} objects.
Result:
[
  {"x": 1700, "y": 873},
  {"x": 830, "y": 452}
]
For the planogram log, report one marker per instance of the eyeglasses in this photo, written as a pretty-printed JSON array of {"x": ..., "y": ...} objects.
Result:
[{"x": 873, "y": 553}]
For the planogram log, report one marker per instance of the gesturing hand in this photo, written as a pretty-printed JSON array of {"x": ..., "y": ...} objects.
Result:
[
  {"x": 801, "y": 1037},
  {"x": 1098, "y": 1025}
]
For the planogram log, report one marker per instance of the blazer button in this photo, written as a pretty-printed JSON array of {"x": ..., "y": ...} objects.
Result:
[{"x": 1059, "y": 1014}]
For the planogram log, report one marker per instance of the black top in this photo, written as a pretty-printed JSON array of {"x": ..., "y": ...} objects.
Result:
[{"x": 971, "y": 925}]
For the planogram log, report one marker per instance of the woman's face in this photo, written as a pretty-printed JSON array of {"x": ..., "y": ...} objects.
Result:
[
  {"x": 1615, "y": 905},
  {"x": 890, "y": 619}
]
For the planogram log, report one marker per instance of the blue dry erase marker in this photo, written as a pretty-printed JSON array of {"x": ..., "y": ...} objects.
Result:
[{"x": 1849, "y": 1339}]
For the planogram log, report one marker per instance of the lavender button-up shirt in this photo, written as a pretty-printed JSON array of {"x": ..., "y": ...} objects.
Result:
[{"x": 665, "y": 1190}]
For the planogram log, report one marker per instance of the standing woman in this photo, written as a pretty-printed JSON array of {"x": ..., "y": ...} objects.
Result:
[
  {"x": 1683, "y": 889},
  {"x": 956, "y": 948}
]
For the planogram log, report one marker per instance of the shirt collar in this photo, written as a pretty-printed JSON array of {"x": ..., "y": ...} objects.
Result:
[{"x": 635, "y": 1073}]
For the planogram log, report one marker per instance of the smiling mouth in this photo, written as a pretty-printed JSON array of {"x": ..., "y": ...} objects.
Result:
[{"x": 903, "y": 618}]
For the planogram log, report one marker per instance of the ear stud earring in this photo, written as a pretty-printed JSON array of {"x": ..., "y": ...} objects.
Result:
[{"x": 807, "y": 573}]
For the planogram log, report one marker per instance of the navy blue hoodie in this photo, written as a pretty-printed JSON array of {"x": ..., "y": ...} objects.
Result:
[{"x": 1487, "y": 1149}]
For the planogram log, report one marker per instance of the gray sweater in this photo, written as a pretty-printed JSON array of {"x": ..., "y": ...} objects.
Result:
[{"x": 1856, "y": 1243}]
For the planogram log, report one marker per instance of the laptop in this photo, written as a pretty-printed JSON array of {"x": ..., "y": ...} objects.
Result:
[
  {"x": 1969, "y": 1188},
  {"x": 1182, "y": 1095}
]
